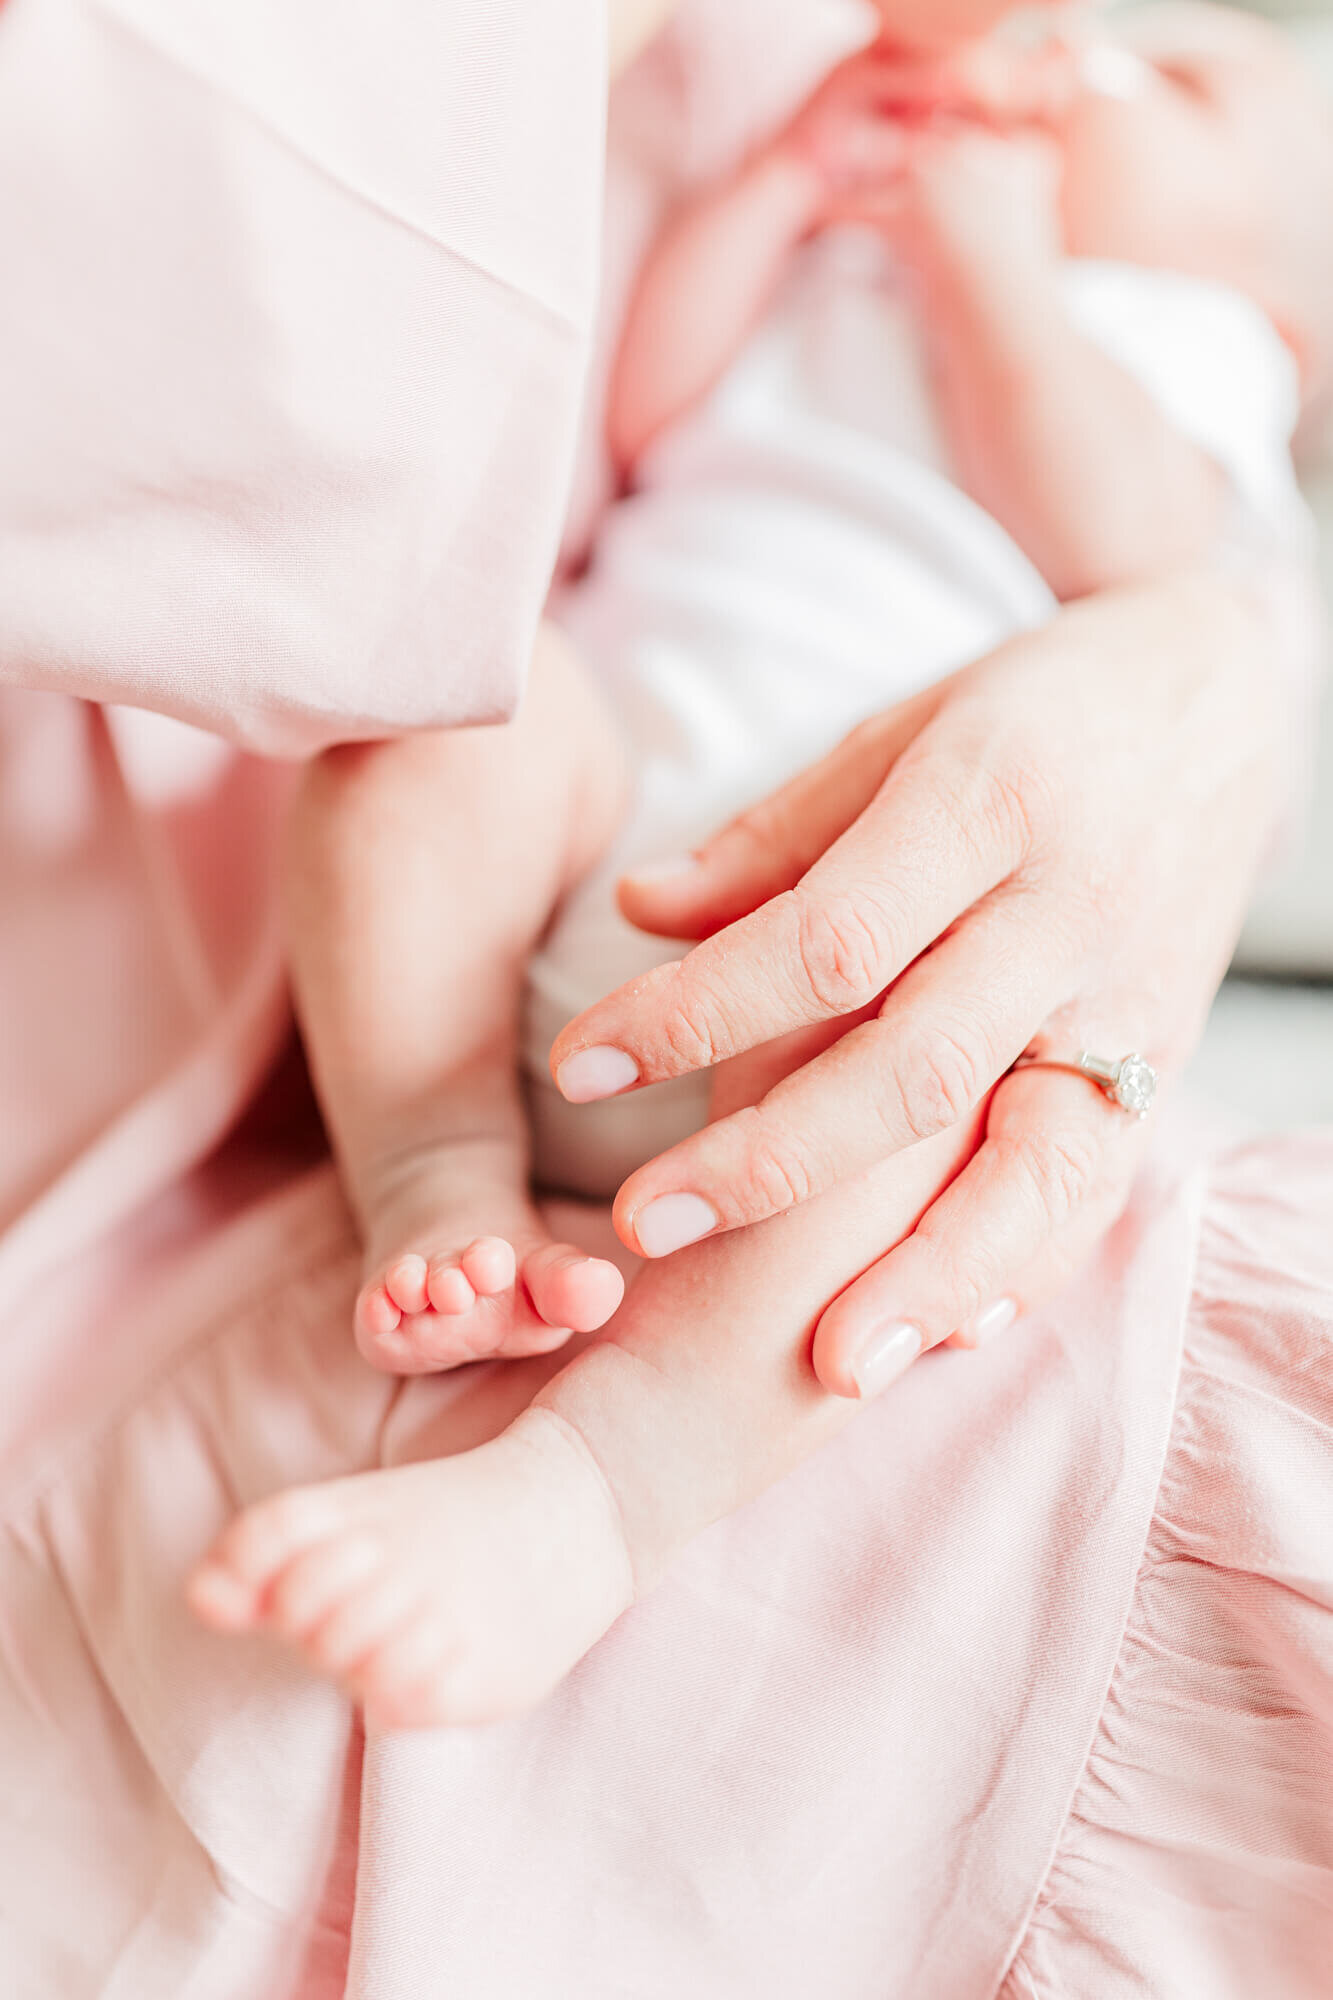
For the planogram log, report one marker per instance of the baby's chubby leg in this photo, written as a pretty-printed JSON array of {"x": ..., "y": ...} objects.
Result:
[
  {"x": 462, "y": 1590},
  {"x": 420, "y": 875}
]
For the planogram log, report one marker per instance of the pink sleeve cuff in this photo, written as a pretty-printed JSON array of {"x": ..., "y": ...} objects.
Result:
[{"x": 297, "y": 312}]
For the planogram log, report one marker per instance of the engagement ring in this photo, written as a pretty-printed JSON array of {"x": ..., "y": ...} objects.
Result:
[{"x": 1131, "y": 1083}]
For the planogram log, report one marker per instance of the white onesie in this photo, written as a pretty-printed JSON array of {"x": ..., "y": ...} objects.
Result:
[{"x": 798, "y": 556}]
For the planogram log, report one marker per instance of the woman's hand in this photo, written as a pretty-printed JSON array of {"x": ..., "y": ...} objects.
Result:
[{"x": 1055, "y": 848}]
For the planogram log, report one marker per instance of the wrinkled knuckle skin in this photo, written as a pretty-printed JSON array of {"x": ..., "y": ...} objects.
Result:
[
  {"x": 1023, "y": 803},
  {"x": 688, "y": 1037},
  {"x": 1064, "y": 1169},
  {"x": 969, "y": 1291},
  {"x": 943, "y": 1082},
  {"x": 777, "y": 1173},
  {"x": 1002, "y": 793},
  {"x": 844, "y": 952},
  {"x": 966, "y": 1279}
]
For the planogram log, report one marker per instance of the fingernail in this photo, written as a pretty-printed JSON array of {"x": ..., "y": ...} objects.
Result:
[
  {"x": 665, "y": 871},
  {"x": 592, "y": 1073},
  {"x": 995, "y": 1320},
  {"x": 672, "y": 1221},
  {"x": 889, "y": 1353}
]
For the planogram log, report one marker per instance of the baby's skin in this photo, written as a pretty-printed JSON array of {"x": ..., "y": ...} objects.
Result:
[
  {"x": 462, "y": 1589},
  {"x": 423, "y": 874}
]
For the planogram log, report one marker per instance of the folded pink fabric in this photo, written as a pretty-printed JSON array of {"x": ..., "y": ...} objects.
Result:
[
  {"x": 297, "y": 302},
  {"x": 1023, "y": 1688}
]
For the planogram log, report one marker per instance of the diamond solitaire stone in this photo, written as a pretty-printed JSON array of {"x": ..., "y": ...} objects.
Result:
[{"x": 1135, "y": 1086}]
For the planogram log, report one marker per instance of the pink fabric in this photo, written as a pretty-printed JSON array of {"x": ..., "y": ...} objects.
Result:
[
  {"x": 298, "y": 306},
  {"x": 297, "y": 297},
  {"x": 1024, "y": 1687}
]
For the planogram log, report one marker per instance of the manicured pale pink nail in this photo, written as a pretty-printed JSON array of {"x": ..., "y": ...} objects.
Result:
[
  {"x": 672, "y": 1221},
  {"x": 996, "y": 1319},
  {"x": 592, "y": 1073},
  {"x": 888, "y": 1353}
]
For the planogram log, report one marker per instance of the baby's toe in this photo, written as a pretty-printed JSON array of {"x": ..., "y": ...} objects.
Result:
[
  {"x": 448, "y": 1287},
  {"x": 312, "y": 1587},
  {"x": 266, "y": 1537},
  {"x": 405, "y": 1283},
  {"x": 491, "y": 1265},
  {"x": 404, "y": 1684},
  {"x": 377, "y": 1317},
  {"x": 361, "y": 1625},
  {"x": 227, "y": 1589},
  {"x": 220, "y": 1599},
  {"x": 570, "y": 1289}
]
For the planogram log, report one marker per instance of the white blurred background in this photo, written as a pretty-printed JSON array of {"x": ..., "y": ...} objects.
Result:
[{"x": 1269, "y": 1049}]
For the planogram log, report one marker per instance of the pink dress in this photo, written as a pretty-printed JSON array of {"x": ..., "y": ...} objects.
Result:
[{"x": 1024, "y": 1688}]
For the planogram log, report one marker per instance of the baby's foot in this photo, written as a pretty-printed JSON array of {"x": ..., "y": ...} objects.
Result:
[
  {"x": 456, "y": 1591},
  {"x": 440, "y": 1291}
]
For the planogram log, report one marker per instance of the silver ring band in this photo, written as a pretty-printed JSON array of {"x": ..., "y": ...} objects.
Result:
[{"x": 1131, "y": 1082}]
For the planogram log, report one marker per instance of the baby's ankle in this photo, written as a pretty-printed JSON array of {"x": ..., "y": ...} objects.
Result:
[{"x": 596, "y": 1517}]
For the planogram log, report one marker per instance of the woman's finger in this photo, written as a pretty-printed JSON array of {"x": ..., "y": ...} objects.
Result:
[
  {"x": 769, "y": 847},
  {"x": 936, "y": 839},
  {"x": 1054, "y": 1169},
  {"x": 1059, "y": 1257},
  {"x": 953, "y": 1024}
]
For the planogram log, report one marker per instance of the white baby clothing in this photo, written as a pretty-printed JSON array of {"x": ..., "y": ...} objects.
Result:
[{"x": 798, "y": 556}]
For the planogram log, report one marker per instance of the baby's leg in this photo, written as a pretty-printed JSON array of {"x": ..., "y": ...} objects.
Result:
[
  {"x": 421, "y": 874},
  {"x": 463, "y": 1590}
]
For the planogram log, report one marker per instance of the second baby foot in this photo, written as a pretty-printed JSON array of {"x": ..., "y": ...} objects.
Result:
[
  {"x": 459, "y": 1590},
  {"x": 461, "y": 1268}
]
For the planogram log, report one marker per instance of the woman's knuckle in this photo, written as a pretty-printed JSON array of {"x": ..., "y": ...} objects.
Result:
[
  {"x": 972, "y": 1287},
  {"x": 1026, "y": 799},
  {"x": 844, "y": 946},
  {"x": 967, "y": 1275},
  {"x": 776, "y": 1169},
  {"x": 967, "y": 1281},
  {"x": 1063, "y": 1169},
  {"x": 1004, "y": 780},
  {"x": 690, "y": 1033},
  {"x": 941, "y": 1082}
]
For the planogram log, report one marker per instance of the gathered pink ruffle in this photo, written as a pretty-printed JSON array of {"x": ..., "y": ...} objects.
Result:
[
  {"x": 1197, "y": 1857},
  {"x": 1023, "y": 1688}
]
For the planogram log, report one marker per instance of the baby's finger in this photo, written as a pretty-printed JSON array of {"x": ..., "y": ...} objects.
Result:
[{"x": 1052, "y": 1172}]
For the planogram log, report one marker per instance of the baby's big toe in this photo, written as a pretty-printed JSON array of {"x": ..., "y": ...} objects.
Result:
[
  {"x": 570, "y": 1289},
  {"x": 220, "y": 1598},
  {"x": 228, "y": 1588}
]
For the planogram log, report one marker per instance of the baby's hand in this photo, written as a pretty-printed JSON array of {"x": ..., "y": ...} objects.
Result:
[
  {"x": 968, "y": 202},
  {"x": 846, "y": 133},
  {"x": 996, "y": 83}
]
